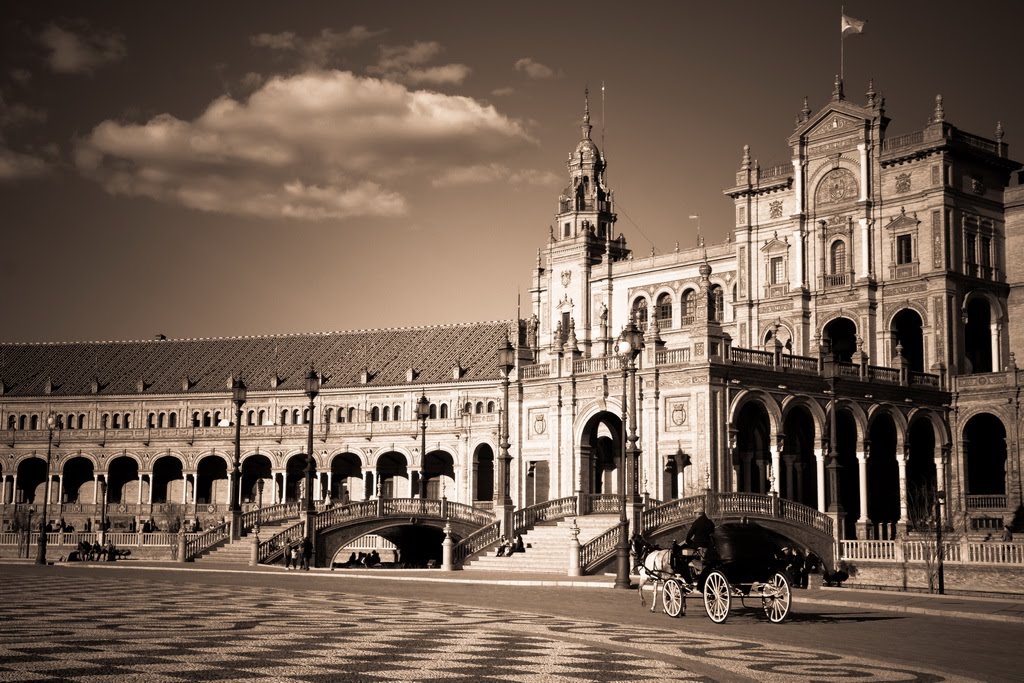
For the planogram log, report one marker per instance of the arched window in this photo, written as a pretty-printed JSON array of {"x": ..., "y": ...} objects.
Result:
[
  {"x": 34, "y": 422},
  {"x": 398, "y": 413},
  {"x": 12, "y": 422},
  {"x": 250, "y": 419},
  {"x": 217, "y": 417},
  {"x": 262, "y": 417},
  {"x": 387, "y": 413},
  {"x": 127, "y": 420},
  {"x": 23, "y": 418},
  {"x": 305, "y": 416},
  {"x": 195, "y": 419},
  {"x": 284, "y": 416},
  {"x": 374, "y": 414},
  {"x": 115, "y": 423},
  {"x": 341, "y": 415},
  {"x": 81, "y": 421},
  {"x": 433, "y": 411},
  {"x": 479, "y": 407},
  {"x": 160, "y": 420},
  {"x": 838, "y": 260},
  {"x": 490, "y": 406},
  {"x": 207, "y": 418},
  {"x": 467, "y": 409},
  {"x": 328, "y": 414},
  {"x": 664, "y": 310},
  {"x": 295, "y": 417},
  {"x": 716, "y": 304},
  {"x": 351, "y": 414},
  {"x": 640, "y": 312},
  {"x": 71, "y": 420},
  {"x": 172, "y": 420},
  {"x": 444, "y": 411},
  {"x": 151, "y": 421}
]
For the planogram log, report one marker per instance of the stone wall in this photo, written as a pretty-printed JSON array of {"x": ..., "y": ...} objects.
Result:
[{"x": 916, "y": 576}]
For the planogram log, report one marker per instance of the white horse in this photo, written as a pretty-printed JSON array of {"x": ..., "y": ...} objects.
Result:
[{"x": 656, "y": 567}]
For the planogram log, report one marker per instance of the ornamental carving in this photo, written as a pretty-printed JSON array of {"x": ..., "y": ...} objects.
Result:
[
  {"x": 539, "y": 423},
  {"x": 775, "y": 209},
  {"x": 977, "y": 186},
  {"x": 838, "y": 185},
  {"x": 566, "y": 277},
  {"x": 903, "y": 182}
]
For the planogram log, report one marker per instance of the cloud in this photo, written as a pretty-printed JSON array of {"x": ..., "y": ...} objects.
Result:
[
  {"x": 405, "y": 64},
  {"x": 534, "y": 69},
  {"x": 73, "y": 53},
  {"x": 19, "y": 114},
  {"x": 17, "y": 166},
  {"x": 503, "y": 92},
  {"x": 494, "y": 172},
  {"x": 313, "y": 146},
  {"x": 318, "y": 50}
]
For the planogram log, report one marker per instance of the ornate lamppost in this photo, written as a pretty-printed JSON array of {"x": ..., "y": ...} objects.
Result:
[
  {"x": 41, "y": 551},
  {"x": 312, "y": 389},
  {"x": 630, "y": 343},
  {"x": 238, "y": 391},
  {"x": 507, "y": 363},
  {"x": 939, "y": 550},
  {"x": 422, "y": 413},
  {"x": 835, "y": 506}
]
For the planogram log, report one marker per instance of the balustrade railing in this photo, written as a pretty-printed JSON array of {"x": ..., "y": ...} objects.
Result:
[
  {"x": 670, "y": 356},
  {"x": 673, "y": 510},
  {"x": 602, "y": 503},
  {"x": 476, "y": 541},
  {"x": 878, "y": 373},
  {"x": 534, "y": 371},
  {"x": 598, "y": 364},
  {"x": 900, "y": 141},
  {"x": 280, "y": 540},
  {"x": 986, "y": 502},
  {"x": 867, "y": 550},
  {"x": 800, "y": 363},
  {"x": 206, "y": 540},
  {"x": 559, "y": 508},
  {"x": 752, "y": 357},
  {"x": 270, "y": 513},
  {"x": 995, "y": 553},
  {"x": 798, "y": 512},
  {"x": 599, "y": 548},
  {"x": 924, "y": 379},
  {"x": 743, "y": 504}
]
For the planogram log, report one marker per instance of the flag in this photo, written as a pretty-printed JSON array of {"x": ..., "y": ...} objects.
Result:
[{"x": 851, "y": 25}]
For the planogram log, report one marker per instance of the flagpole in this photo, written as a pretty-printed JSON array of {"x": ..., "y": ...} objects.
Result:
[{"x": 842, "y": 13}]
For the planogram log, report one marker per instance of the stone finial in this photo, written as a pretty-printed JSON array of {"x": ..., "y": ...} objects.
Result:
[
  {"x": 572, "y": 343},
  {"x": 940, "y": 114},
  {"x": 805, "y": 113},
  {"x": 1012, "y": 365},
  {"x": 704, "y": 270},
  {"x": 677, "y": 246},
  {"x": 871, "y": 92},
  {"x": 899, "y": 349},
  {"x": 837, "y": 89},
  {"x": 654, "y": 330},
  {"x": 999, "y": 131},
  {"x": 745, "y": 162}
]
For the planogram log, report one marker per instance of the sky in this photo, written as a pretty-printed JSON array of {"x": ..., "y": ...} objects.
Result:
[{"x": 238, "y": 168}]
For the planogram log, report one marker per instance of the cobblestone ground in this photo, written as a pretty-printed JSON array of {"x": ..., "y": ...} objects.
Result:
[{"x": 127, "y": 626}]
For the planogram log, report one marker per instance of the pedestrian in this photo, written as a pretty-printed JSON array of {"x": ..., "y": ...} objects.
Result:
[
  {"x": 289, "y": 558},
  {"x": 307, "y": 552},
  {"x": 1007, "y": 534}
]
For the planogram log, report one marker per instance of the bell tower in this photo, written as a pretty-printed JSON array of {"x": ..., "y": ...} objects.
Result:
[{"x": 571, "y": 313}]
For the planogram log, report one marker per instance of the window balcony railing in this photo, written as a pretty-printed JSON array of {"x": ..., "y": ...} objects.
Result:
[
  {"x": 840, "y": 280},
  {"x": 986, "y": 502}
]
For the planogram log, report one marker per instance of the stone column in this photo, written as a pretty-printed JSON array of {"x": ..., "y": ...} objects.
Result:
[
  {"x": 774, "y": 449},
  {"x": 138, "y": 497},
  {"x": 14, "y": 488},
  {"x": 796, "y": 268},
  {"x": 195, "y": 488},
  {"x": 798, "y": 185},
  {"x": 865, "y": 250},
  {"x": 864, "y": 168},
  {"x": 819, "y": 462},
  {"x": 788, "y": 461},
  {"x": 95, "y": 488},
  {"x": 901, "y": 463},
  {"x": 863, "y": 523},
  {"x": 60, "y": 489},
  {"x": 184, "y": 488},
  {"x": 994, "y": 333},
  {"x": 330, "y": 483}
]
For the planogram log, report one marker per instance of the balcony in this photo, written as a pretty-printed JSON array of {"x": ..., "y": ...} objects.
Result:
[
  {"x": 986, "y": 502},
  {"x": 841, "y": 280}
]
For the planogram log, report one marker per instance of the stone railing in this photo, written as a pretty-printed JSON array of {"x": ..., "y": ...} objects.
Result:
[
  {"x": 800, "y": 363},
  {"x": 672, "y": 356},
  {"x": 960, "y": 551},
  {"x": 774, "y": 171},
  {"x": 270, "y": 513},
  {"x": 402, "y": 507},
  {"x": 280, "y": 540},
  {"x": 559, "y": 508},
  {"x": 476, "y": 541},
  {"x": 535, "y": 371},
  {"x": 877, "y": 373},
  {"x": 986, "y": 502},
  {"x": 673, "y": 510},
  {"x": 206, "y": 540},
  {"x": 600, "y": 503},
  {"x": 598, "y": 364},
  {"x": 735, "y": 504},
  {"x": 752, "y": 357},
  {"x": 906, "y": 140},
  {"x": 598, "y": 549}
]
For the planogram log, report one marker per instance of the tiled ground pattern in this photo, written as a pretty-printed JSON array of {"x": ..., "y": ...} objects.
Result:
[{"x": 128, "y": 629}]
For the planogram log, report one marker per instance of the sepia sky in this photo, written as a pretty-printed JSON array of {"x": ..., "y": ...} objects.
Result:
[{"x": 232, "y": 168}]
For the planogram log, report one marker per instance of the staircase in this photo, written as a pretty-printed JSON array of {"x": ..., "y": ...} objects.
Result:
[
  {"x": 549, "y": 547},
  {"x": 240, "y": 552}
]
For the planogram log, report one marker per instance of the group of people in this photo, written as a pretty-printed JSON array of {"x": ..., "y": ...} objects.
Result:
[
  {"x": 299, "y": 555},
  {"x": 93, "y": 552},
  {"x": 370, "y": 559},
  {"x": 506, "y": 547}
]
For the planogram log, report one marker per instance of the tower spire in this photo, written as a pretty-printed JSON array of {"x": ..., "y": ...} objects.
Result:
[{"x": 585, "y": 127}]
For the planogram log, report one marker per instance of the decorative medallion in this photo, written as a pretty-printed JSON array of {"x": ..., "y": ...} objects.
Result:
[
  {"x": 539, "y": 424},
  {"x": 566, "y": 277},
  {"x": 903, "y": 182},
  {"x": 775, "y": 209},
  {"x": 977, "y": 186},
  {"x": 679, "y": 414},
  {"x": 837, "y": 186}
]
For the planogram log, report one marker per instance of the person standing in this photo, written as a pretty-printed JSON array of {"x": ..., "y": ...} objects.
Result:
[{"x": 307, "y": 552}]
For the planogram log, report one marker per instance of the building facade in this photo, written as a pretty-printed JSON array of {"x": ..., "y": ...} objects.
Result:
[{"x": 849, "y": 347}]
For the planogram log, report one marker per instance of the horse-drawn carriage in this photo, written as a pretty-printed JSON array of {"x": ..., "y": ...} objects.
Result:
[{"x": 746, "y": 560}]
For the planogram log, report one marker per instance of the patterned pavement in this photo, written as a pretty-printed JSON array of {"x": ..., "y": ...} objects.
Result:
[{"x": 133, "y": 628}]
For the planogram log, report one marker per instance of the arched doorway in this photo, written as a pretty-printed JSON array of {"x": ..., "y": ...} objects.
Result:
[
  {"x": 393, "y": 476},
  {"x": 123, "y": 480},
  {"x": 483, "y": 473},
  {"x": 752, "y": 457},
  {"x": 798, "y": 476},
  {"x": 978, "y": 336},
  {"x": 907, "y": 333},
  {"x": 31, "y": 481},
  {"x": 883, "y": 478},
  {"x": 168, "y": 480},
  {"x": 848, "y": 472},
  {"x": 601, "y": 453},
  {"x": 257, "y": 468},
  {"x": 841, "y": 335},
  {"x": 921, "y": 480},
  {"x": 212, "y": 486},
  {"x": 295, "y": 478},
  {"x": 346, "y": 478},
  {"x": 79, "y": 483},
  {"x": 439, "y": 475},
  {"x": 985, "y": 456}
]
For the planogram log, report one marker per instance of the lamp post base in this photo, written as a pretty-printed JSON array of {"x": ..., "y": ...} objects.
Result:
[{"x": 622, "y": 558}]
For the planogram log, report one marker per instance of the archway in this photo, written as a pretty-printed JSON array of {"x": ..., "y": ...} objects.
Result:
[
  {"x": 883, "y": 478},
  {"x": 346, "y": 478},
  {"x": 123, "y": 480},
  {"x": 393, "y": 476},
  {"x": 978, "y": 336},
  {"x": 841, "y": 334},
  {"x": 601, "y": 453},
  {"x": 985, "y": 456},
  {"x": 295, "y": 478},
  {"x": 438, "y": 474},
  {"x": 798, "y": 476},
  {"x": 212, "y": 486},
  {"x": 752, "y": 458},
  {"x": 31, "y": 481},
  {"x": 79, "y": 483},
  {"x": 168, "y": 480},
  {"x": 483, "y": 473},
  {"x": 848, "y": 473},
  {"x": 907, "y": 333},
  {"x": 538, "y": 479},
  {"x": 257, "y": 468},
  {"x": 921, "y": 479}
]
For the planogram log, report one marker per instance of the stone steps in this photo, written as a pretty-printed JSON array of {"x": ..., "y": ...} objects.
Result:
[
  {"x": 240, "y": 552},
  {"x": 548, "y": 550}
]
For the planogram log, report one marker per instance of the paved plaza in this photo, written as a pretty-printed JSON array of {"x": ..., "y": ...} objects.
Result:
[{"x": 93, "y": 624}]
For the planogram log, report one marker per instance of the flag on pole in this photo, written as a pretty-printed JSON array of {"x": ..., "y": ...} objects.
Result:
[{"x": 851, "y": 26}]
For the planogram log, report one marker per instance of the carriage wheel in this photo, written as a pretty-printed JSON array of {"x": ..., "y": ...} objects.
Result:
[
  {"x": 672, "y": 598},
  {"x": 776, "y": 597},
  {"x": 717, "y": 597}
]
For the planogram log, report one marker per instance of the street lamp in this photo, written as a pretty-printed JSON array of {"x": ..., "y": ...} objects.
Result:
[
  {"x": 259, "y": 504},
  {"x": 41, "y": 553},
  {"x": 939, "y": 551},
  {"x": 507, "y": 363},
  {"x": 835, "y": 506},
  {"x": 422, "y": 413},
  {"x": 238, "y": 391},
  {"x": 312, "y": 389},
  {"x": 629, "y": 345}
]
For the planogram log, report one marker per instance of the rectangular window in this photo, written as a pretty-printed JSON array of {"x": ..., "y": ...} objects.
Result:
[
  {"x": 986, "y": 251},
  {"x": 904, "y": 249},
  {"x": 565, "y": 326},
  {"x": 568, "y": 230},
  {"x": 971, "y": 248},
  {"x": 778, "y": 275}
]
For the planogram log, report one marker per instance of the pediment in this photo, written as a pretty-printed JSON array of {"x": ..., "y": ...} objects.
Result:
[
  {"x": 774, "y": 245},
  {"x": 834, "y": 124},
  {"x": 834, "y": 119},
  {"x": 903, "y": 221}
]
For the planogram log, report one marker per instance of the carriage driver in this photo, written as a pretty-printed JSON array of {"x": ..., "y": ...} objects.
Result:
[{"x": 701, "y": 532}]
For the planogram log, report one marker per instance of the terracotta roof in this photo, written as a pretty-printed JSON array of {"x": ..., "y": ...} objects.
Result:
[{"x": 387, "y": 355}]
